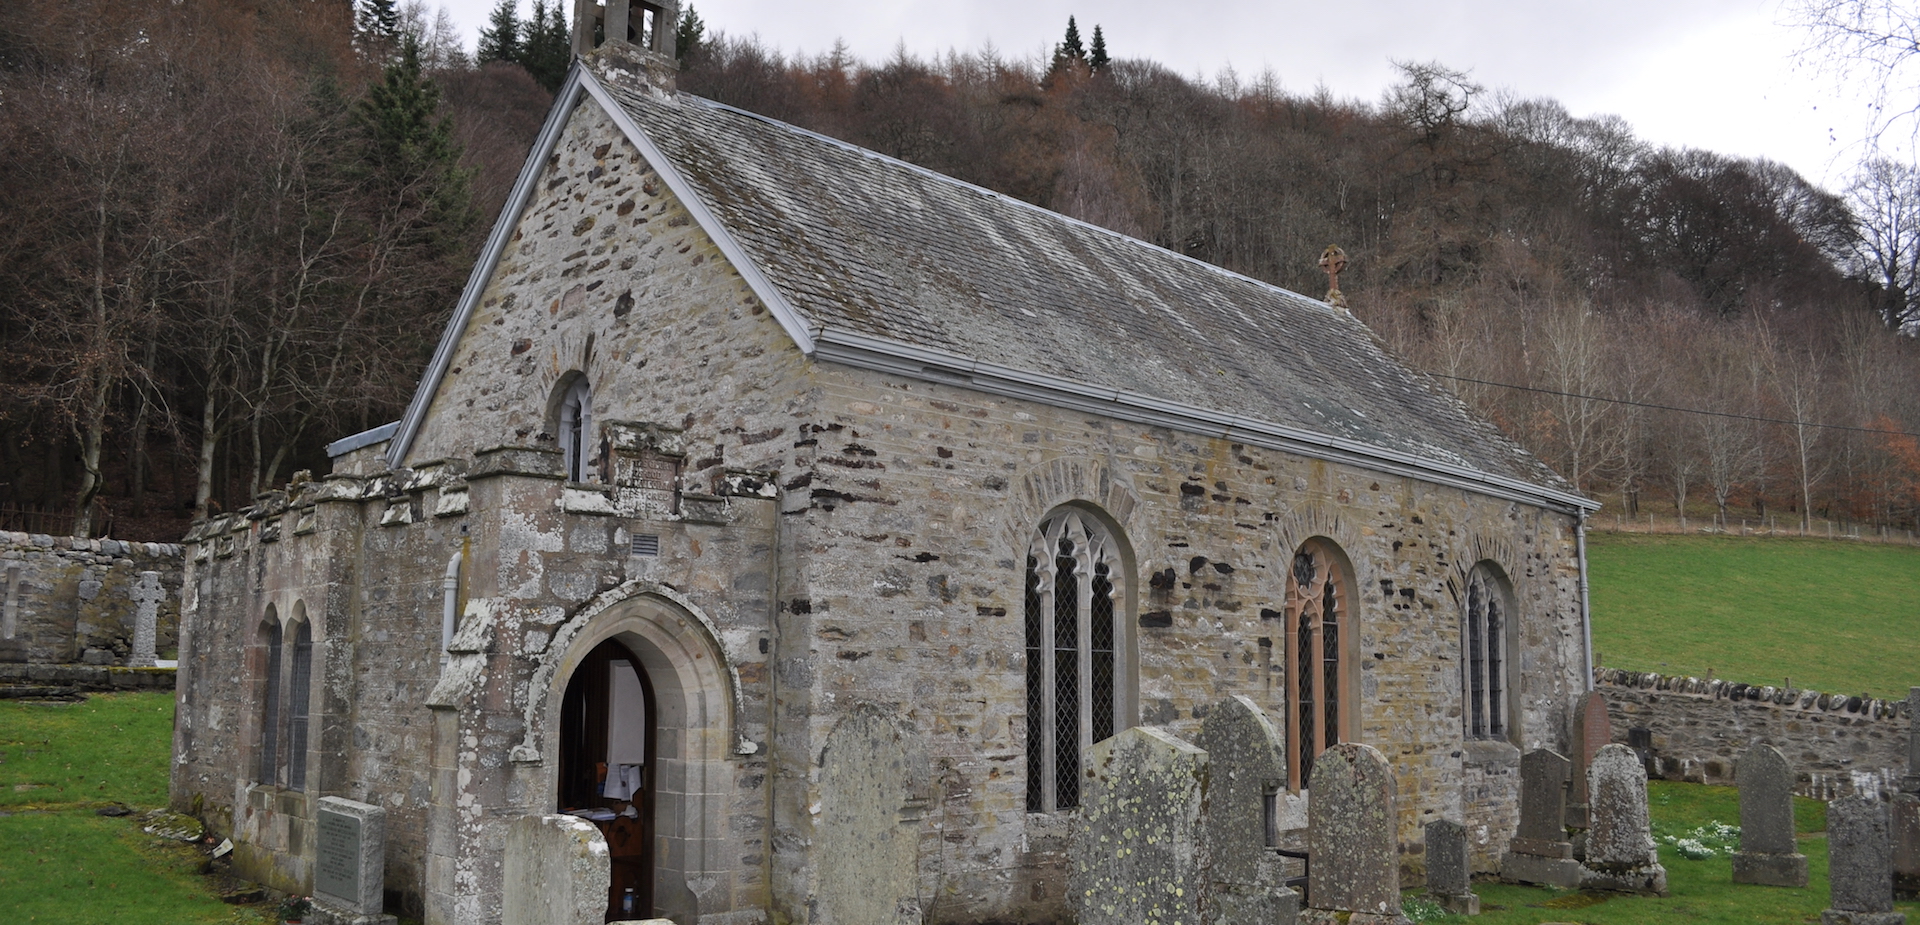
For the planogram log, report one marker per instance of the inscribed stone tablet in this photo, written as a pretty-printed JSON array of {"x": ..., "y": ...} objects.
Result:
[{"x": 336, "y": 867}]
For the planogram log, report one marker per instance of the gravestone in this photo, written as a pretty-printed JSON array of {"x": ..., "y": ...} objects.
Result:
[
  {"x": 1247, "y": 767},
  {"x": 1904, "y": 810},
  {"x": 867, "y": 837},
  {"x": 147, "y": 595},
  {"x": 1767, "y": 854},
  {"x": 1540, "y": 852},
  {"x": 557, "y": 872},
  {"x": 350, "y": 862},
  {"x": 1621, "y": 854},
  {"x": 1859, "y": 864},
  {"x": 1353, "y": 875},
  {"x": 1134, "y": 848},
  {"x": 1592, "y": 730},
  {"x": 1911, "y": 782},
  {"x": 1449, "y": 881}
]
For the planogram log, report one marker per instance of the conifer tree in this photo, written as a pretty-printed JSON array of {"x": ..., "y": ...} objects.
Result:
[
  {"x": 410, "y": 157},
  {"x": 546, "y": 48},
  {"x": 378, "y": 21},
  {"x": 689, "y": 32},
  {"x": 1071, "y": 48},
  {"x": 500, "y": 40},
  {"x": 1097, "y": 58}
]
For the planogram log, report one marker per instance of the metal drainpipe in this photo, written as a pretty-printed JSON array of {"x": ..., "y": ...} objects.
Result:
[
  {"x": 450, "y": 586},
  {"x": 1586, "y": 604}
]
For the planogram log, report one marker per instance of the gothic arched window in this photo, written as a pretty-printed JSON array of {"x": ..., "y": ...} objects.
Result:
[
  {"x": 268, "y": 768},
  {"x": 1077, "y": 687},
  {"x": 576, "y": 428},
  {"x": 1319, "y": 629},
  {"x": 1484, "y": 663},
  {"x": 299, "y": 685}
]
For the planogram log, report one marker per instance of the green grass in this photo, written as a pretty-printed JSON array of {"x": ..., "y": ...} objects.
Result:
[
  {"x": 1702, "y": 891},
  {"x": 62, "y": 864},
  {"x": 1834, "y": 616}
]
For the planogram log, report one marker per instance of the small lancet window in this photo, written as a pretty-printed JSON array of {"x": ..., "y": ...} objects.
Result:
[
  {"x": 1484, "y": 664},
  {"x": 576, "y": 426},
  {"x": 269, "y": 753},
  {"x": 1076, "y": 663},
  {"x": 299, "y": 686},
  {"x": 1319, "y": 622}
]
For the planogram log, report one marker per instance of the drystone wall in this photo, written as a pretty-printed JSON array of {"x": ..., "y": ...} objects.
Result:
[
  {"x": 1692, "y": 729},
  {"x": 67, "y": 611}
]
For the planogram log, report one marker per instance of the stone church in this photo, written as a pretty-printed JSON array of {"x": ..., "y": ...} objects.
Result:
[{"x": 801, "y": 518}]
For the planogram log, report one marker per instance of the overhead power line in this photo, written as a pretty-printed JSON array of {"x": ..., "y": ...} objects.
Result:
[{"x": 1642, "y": 404}]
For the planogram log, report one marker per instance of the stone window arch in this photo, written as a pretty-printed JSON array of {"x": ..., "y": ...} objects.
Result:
[
  {"x": 267, "y": 746},
  {"x": 1320, "y": 632},
  {"x": 1079, "y": 650},
  {"x": 1486, "y": 669},
  {"x": 572, "y": 416},
  {"x": 299, "y": 695}
]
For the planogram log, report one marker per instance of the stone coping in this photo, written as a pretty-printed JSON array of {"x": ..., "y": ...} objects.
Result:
[
  {"x": 89, "y": 677},
  {"x": 1810, "y": 701},
  {"x": 105, "y": 547}
]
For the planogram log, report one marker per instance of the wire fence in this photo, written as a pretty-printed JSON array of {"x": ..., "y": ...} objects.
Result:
[{"x": 1769, "y": 525}]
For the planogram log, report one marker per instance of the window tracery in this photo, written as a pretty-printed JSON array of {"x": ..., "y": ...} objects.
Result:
[{"x": 1076, "y": 665}]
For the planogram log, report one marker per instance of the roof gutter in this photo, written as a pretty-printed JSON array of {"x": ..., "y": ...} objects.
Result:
[{"x": 880, "y": 355}]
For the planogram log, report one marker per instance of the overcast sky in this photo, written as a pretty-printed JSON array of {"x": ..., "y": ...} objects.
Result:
[{"x": 1716, "y": 74}]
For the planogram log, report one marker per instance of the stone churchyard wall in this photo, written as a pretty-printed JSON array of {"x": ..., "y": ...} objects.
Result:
[
  {"x": 67, "y": 610},
  {"x": 1838, "y": 745}
]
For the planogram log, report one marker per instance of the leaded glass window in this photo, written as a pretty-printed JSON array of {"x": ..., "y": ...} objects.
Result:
[
  {"x": 1319, "y": 623},
  {"x": 1484, "y": 664},
  {"x": 1075, "y": 660}
]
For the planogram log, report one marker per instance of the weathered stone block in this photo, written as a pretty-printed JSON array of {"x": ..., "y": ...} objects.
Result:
[
  {"x": 1767, "y": 856},
  {"x": 1621, "y": 854},
  {"x": 1134, "y": 848},
  {"x": 1351, "y": 833},
  {"x": 556, "y": 872}
]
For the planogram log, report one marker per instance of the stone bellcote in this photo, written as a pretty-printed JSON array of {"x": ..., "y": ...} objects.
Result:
[{"x": 640, "y": 31}]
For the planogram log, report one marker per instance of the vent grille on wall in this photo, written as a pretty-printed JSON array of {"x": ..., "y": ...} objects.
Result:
[{"x": 646, "y": 544}]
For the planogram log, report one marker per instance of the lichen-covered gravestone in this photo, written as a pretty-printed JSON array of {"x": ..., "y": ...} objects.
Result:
[
  {"x": 350, "y": 862},
  {"x": 557, "y": 872},
  {"x": 1859, "y": 864},
  {"x": 1621, "y": 854},
  {"x": 1592, "y": 731},
  {"x": 1767, "y": 854},
  {"x": 1354, "y": 867},
  {"x": 867, "y": 839},
  {"x": 1540, "y": 852},
  {"x": 1246, "y": 758},
  {"x": 1904, "y": 810},
  {"x": 1449, "y": 881},
  {"x": 1134, "y": 848},
  {"x": 147, "y": 595}
]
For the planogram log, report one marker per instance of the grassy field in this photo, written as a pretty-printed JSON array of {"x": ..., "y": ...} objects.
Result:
[
  {"x": 63, "y": 864},
  {"x": 1702, "y": 891},
  {"x": 1832, "y": 615}
]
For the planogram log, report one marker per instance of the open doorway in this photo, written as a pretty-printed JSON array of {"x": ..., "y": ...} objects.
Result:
[{"x": 608, "y": 732}]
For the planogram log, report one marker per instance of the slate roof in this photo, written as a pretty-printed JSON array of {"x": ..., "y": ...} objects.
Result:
[{"x": 857, "y": 241}]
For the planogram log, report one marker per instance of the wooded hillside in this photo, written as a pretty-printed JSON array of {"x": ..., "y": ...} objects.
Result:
[{"x": 235, "y": 228}]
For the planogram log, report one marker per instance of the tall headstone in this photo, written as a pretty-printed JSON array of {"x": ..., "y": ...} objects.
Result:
[
  {"x": 350, "y": 862},
  {"x": 1592, "y": 730},
  {"x": 1904, "y": 810},
  {"x": 1354, "y": 869},
  {"x": 1621, "y": 854},
  {"x": 1246, "y": 760},
  {"x": 1449, "y": 879},
  {"x": 1540, "y": 852},
  {"x": 557, "y": 872},
  {"x": 147, "y": 595},
  {"x": 1859, "y": 864},
  {"x": 1135, "y": 847},
  {"x": 867, "y": 836},
  {"x": 1768, "y": 855}
]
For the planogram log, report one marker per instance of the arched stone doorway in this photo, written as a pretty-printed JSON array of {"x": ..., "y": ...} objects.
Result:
[
  {"x": 686, "y": 784},
  {"x": 607, "y": 738}
]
